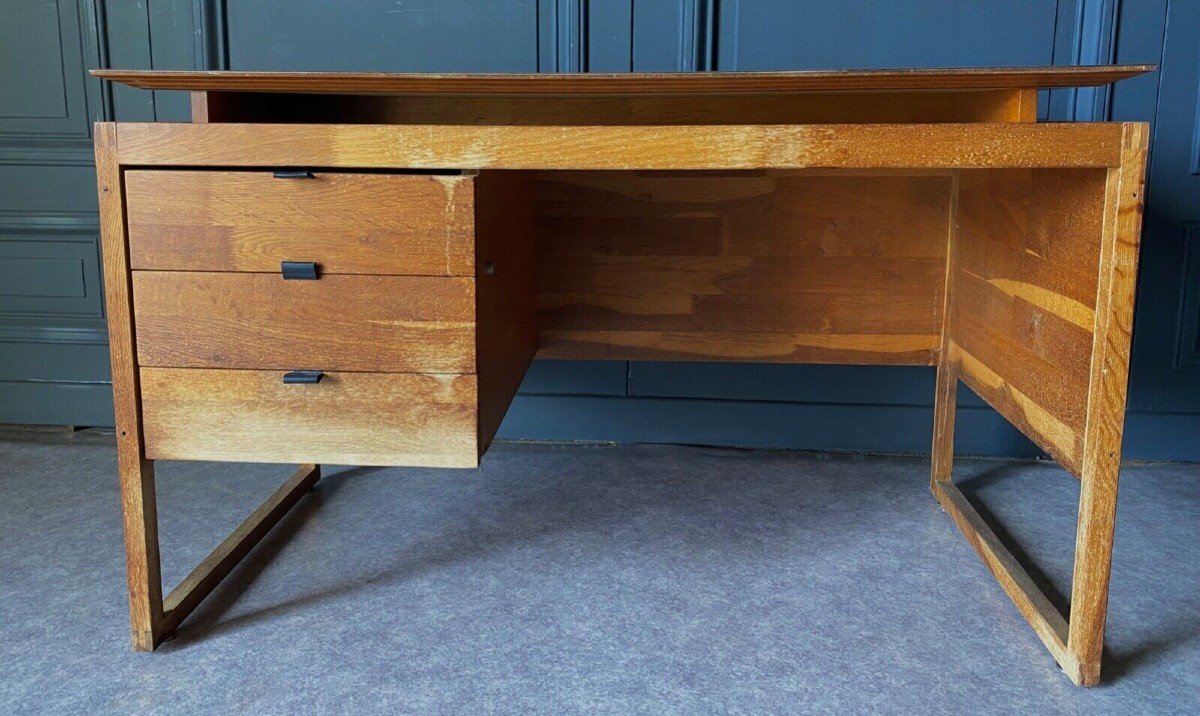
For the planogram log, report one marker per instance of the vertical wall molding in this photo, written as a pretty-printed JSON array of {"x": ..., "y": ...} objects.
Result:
[
  {"x": 1094, "y": 27},
  {"x": 53, "y": 343},
  {"x": 697, "y": 35},
  {"x": 562, "y": 35},
  {"x": 1188, "y": 344},
  {"x": 1195, "y": 171},
  {"x": 209, "y": 17}
]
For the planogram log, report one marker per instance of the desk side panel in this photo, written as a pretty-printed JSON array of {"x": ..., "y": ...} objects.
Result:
[
  {"x": 747, "y": 266},
  {"x": 505, "y": 340},
  {"x": 1023, "y": 281}
]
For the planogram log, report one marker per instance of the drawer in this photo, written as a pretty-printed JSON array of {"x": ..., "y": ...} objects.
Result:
[
  {"x": 404, "y": 224},
  {"x": 196, "y": 319},
  {"x": 346, "y": 418}
]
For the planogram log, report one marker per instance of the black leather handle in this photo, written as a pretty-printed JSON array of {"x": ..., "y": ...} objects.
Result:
[
  {"x": 293, "y": 174},
  {"x": 298, "y": 270},
  {"x": 297, "y": 377}
]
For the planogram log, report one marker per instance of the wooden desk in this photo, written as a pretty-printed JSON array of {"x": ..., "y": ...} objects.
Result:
[{"x": 359, "y": 268}]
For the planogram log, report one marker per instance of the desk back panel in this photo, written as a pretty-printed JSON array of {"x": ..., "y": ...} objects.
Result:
[{"x": 766, "y": 266}]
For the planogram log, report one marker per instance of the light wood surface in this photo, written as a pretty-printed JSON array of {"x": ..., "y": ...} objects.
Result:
[
  {"x": 758, "y": 266},
  {"x": 151, "y": 619},
  {"x": 631, "y": 83},
  {"x": 440, "y": 147},
  {"x": 248, "y": 320},
  {"x": 346, "y": 419},
  {"x": 345, "y": 222},
  {"x": 1107, "y": 390}
]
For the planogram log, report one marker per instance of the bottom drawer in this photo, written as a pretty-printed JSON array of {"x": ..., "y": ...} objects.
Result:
[{"x": 346, "y": 418}]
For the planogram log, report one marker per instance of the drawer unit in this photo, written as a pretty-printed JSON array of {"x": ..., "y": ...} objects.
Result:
[
  {"x": 346, "y": 222},
  {"x": 417, "y": 317}
]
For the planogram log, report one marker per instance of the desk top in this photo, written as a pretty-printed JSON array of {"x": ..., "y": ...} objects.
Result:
[{"x": 628, "y": 84}]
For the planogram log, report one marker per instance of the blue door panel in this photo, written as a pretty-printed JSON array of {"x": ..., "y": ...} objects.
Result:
[
  {"x": 842, "y": 407},
  {"x": 1166, "y": 350},
  {"x": 383, "y": 35},
  {"x": 815, "y": 34}
]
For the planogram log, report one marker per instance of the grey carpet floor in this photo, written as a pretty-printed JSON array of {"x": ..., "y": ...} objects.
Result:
[{"x": 588, "y": 579}]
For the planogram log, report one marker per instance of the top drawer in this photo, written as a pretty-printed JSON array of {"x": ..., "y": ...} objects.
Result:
[{"x": 404, "y": 224}]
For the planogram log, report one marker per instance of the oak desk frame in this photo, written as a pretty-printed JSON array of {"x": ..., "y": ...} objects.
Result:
[{"x": 1034, "y": 284}]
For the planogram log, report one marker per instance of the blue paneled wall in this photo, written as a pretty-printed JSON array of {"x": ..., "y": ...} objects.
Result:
[{"x": 819, "y": 407}]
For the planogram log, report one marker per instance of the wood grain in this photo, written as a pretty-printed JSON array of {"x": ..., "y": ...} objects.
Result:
[
  {"x": 631, "y": 83},
  {"x": 1107, "y": 389},
  {"x": 135, "y": 473},
  {"x": 505, "y": 293},
  {"x": 926, "y": 106},
  {"x": 345, "y": 222},
  {"x": 441, "y": 147},
  {"x": 347, "y": 418},
  {"x": 1024, "y": 288},
  {"x": 757, "y": 266},
  {"x": 362, "y": 323}
]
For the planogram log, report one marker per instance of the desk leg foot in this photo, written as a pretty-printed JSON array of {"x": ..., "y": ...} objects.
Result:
[
  {"x": 1031, "y": 602},
  {"x": 153, "y": 617},
  {"x": 1074, "y": 644}
]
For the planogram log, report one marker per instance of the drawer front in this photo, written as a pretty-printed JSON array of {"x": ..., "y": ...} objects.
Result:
[
  {"x": 346, "y": 418},
  {"x": 404, "y": 224},
  {"x": 192, "y": 319}
]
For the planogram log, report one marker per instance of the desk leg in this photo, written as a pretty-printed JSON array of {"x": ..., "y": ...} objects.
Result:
[
  {"x": 141, "y": 551},
  {"x": 944, "y": 406},
  {"x": 1107, "y": 388},
  {"x": 153, "y": 618}
]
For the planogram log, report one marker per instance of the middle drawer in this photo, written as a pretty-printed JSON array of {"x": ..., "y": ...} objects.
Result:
[{"x": 196, "y": 319}]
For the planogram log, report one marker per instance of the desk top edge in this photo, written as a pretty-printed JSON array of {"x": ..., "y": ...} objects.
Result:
[{"x": 683, "y": 83}]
